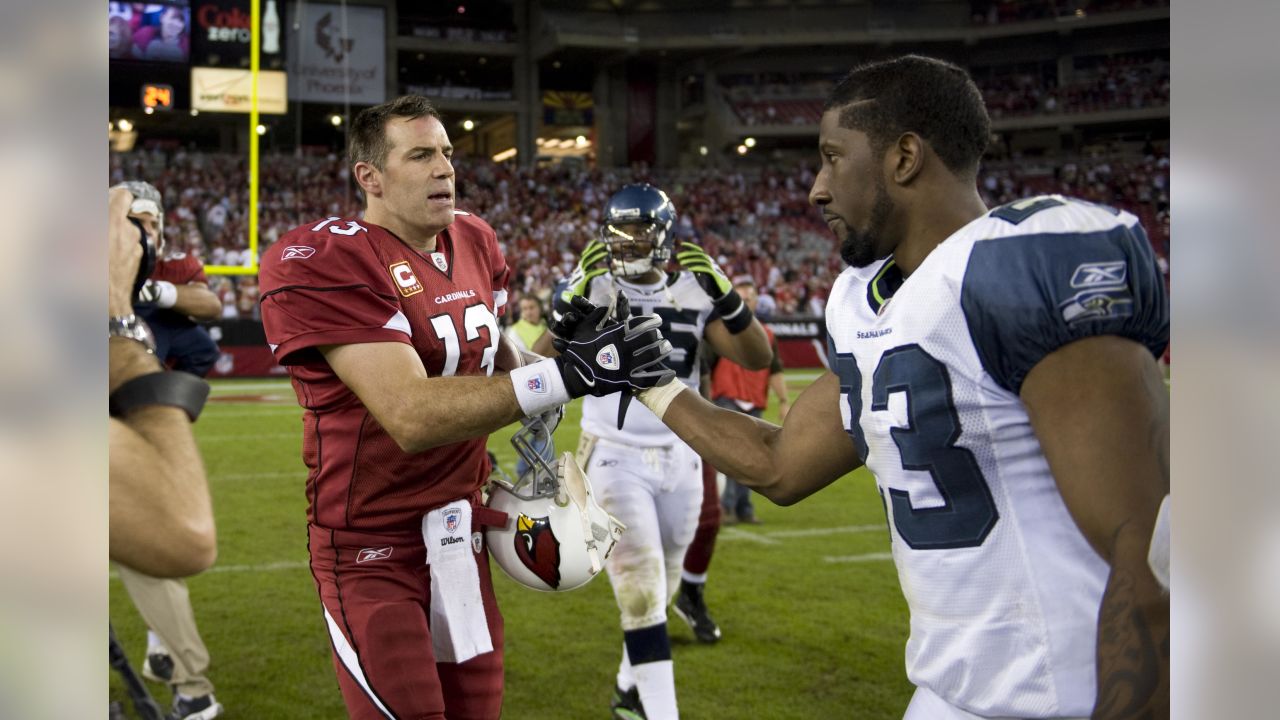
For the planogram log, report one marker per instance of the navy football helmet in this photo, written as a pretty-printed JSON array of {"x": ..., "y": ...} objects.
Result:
[{"x": 637, "y": 214}]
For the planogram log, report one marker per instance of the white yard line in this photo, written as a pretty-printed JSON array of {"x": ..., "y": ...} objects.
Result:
[
  {"x": 218, "y": 386},
  {"x": 299, "y": 474},
  {"x": 250, "y": 436},
  {"x": 868, "y": 557},
  {"x": 775, "y": 537},
  {"x": 265, "y": 567},
  {"x": 239, "y": 411}
]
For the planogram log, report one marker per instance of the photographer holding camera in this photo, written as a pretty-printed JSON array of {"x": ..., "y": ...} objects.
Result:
[
  {"x": 162, "y": 496},
  {"x": 161, "y": 517}
]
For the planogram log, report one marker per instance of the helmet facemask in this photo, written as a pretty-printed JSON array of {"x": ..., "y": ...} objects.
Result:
[
  {"x": 635, "y": 248},
  {"x": 549, "y": 507}
]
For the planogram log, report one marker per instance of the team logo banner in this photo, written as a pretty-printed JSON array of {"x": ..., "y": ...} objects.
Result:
[{"x": 339, "y": 54}]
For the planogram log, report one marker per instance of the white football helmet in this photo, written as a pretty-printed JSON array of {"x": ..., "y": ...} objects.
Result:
[{"x": 557, "y": 536}]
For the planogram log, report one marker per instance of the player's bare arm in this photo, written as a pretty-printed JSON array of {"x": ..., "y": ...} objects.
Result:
[
  {"x": 507, "y": 357},
  {"x": 420, "y": 412},
  {"x": 785, "y": 463},
  {"x": 161, "y": 517},
  {"x": 197, "y": 301},
  {"x": 749, "y": 348},
  {"x": 417, "y": 411},
  {"x": 1101, "y": 412}
]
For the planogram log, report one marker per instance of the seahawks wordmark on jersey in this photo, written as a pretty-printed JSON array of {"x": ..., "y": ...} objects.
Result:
[
  {"x": 685, "y": 310},
  {"x": 1003, "y": 588}
]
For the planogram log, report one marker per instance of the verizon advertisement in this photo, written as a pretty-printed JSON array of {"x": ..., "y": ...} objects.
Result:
[
  {"x": 221, "y": 31},
  {"x": 224, "y": 90},
  {"x": 339, "y": 54}
]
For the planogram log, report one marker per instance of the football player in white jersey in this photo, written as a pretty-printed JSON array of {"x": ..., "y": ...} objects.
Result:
[
  {"x": 643, "y": 473},
  {"x": 996, "y": 371}
]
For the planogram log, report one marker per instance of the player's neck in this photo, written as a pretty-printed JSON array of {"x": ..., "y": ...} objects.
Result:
[
  {"x": 649, "y": 278},
  {"x": 420, "y": 239},
  {"x": 933, "y": 222}
]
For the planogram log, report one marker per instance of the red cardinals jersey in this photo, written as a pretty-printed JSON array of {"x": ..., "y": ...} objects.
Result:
[
  {"x": 179, "y": 269},
  {"x": 338, "y": 282}
]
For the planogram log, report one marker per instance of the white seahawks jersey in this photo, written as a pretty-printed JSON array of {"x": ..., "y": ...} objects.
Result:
[
  {"x": 1003, "y": 588},
  {"x": 685, "y": 310}
]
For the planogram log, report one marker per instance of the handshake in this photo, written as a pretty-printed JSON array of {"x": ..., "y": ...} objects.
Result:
[{"x": 604, "y": 350}]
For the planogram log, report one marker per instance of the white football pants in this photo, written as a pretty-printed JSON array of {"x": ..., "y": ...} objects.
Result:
[{"x": 657, "y": 493}]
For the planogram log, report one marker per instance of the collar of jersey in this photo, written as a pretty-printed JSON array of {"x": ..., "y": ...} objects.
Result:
[
  {"x": 648, "y": 288},
  {"x": 885, "y": 283}
]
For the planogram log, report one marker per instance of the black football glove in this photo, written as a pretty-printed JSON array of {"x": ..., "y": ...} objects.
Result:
[{"x": 603, "y": 351}]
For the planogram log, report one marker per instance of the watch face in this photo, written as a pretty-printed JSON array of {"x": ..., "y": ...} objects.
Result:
[{"x": 133, "y": 328}]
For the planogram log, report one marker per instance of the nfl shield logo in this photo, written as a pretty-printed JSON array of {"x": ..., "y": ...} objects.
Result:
[
  {"x": 438, "y": 259},
  {"x": 537, "y": 384},
  {"x": 452, "y": 517}
]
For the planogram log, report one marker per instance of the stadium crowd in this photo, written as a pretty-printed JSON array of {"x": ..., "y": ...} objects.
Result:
[
  {"x": 754, "y": 223},
  {"x": 1097, "y": 84},
  {"x": 998, "y": 12}
]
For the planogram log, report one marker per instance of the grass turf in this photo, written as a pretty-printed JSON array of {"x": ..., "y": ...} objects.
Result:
[{"x": 814, "y": 622}]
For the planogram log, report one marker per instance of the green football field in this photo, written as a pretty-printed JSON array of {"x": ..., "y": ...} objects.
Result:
[{"x": 814, "y": 622}]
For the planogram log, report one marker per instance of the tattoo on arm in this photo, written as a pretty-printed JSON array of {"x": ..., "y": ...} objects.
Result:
[{"x": 1133, "y": 654}]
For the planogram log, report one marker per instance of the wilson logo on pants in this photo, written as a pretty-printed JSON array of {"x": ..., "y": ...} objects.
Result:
[{"x": 538, "y": 548}]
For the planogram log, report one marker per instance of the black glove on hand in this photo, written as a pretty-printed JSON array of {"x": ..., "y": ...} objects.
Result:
[{"x": 602, "y": 354}]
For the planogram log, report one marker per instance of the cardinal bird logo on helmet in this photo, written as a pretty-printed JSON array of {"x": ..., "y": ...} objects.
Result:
[{"x": 538, "y": 548}]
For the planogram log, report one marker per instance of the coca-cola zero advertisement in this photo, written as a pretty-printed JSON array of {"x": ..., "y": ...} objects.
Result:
[{"x": 220, "y": 33}]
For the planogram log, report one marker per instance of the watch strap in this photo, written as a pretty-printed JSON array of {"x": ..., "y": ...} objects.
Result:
[{"x": 176, "y": 389}]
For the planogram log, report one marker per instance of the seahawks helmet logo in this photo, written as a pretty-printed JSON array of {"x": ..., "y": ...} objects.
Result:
[{"x": 538, "y": 548}]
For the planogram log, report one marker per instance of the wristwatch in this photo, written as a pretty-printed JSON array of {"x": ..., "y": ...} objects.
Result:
[{"x": 134, "y": 328}]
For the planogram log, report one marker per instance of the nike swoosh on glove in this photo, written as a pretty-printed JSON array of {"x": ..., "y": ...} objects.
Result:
[{"x": 600, "y": 355}]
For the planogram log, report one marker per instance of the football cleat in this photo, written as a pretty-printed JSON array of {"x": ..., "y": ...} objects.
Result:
[
  {"x": 204, "y": 707},
  {"x": 626, "y": 704},
  {"x": 692, "y": 608}
]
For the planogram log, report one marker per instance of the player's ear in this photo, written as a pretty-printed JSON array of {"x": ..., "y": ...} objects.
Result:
[
  {"x": 369, "y": 179},
  {"x": 907, "y": 155}
]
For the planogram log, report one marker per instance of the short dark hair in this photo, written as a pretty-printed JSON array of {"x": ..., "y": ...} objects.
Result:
[
  {"x": 368, "y": 135},
  {"x": 933, "y": 98}
]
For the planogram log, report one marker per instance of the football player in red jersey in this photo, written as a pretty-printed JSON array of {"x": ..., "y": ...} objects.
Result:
[{"x": 388, "y": 326}]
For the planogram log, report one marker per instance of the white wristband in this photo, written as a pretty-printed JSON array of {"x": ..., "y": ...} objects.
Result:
[
  {"x": 659, "y": 398},
  {"x": 1158, "y": 552},
  {"x": 168, "y": 294},
  {"x": 539, "y": 387}
]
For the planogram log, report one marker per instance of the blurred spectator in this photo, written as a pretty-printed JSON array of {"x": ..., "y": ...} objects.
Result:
[{"x": 757, "y": 223}]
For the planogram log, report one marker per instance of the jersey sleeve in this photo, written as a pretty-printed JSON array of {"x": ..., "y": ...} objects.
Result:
[
  {"x": 1026, "y": 296},
  {"x": 180, "y": 270},
  {"x": 501, "y": 277},
  {"x": 319, "y": 290}
]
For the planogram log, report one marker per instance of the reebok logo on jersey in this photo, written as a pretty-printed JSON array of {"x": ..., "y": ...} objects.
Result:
[
  {"x": 298, "y": 252},
  {"x": 406, "y": 281},
  {"x": 1100, "y": 274},
  {"x": 607, "y": 358},
  {"x": 367, "y": 554}
]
